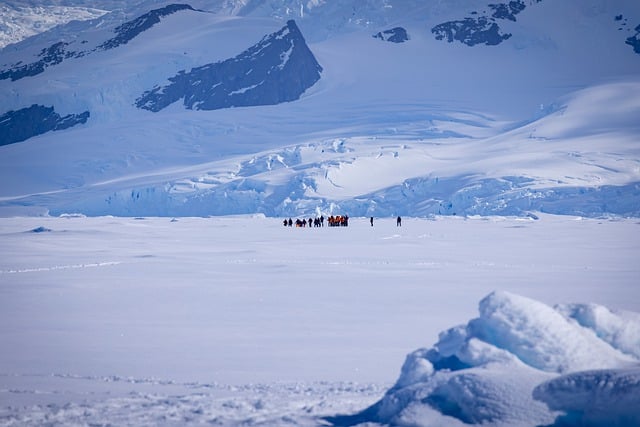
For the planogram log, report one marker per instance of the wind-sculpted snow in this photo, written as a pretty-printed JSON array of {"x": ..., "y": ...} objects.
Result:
[
  {"x": 165, "y": 402},
  {"x": 502, "y": 368},
  {"x": 603, "y": 398},
  {"x": 278, "y": 69}
]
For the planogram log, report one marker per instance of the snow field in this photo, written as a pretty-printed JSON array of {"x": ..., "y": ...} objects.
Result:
[{"x": 178, "y": 312}]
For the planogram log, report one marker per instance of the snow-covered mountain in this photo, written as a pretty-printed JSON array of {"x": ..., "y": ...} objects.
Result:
[{"x": 287, "y": 107}]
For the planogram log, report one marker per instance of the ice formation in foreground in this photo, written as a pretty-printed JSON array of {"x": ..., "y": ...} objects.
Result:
[{"x": 521, "y": 363}]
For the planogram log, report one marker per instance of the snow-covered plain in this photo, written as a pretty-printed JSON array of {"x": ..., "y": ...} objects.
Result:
[
  {"x": 493, "y": 313},
  {"x": 239, "y": 320}
]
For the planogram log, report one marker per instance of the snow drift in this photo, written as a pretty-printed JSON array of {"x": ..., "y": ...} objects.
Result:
[{"x": 521, "y": 362}]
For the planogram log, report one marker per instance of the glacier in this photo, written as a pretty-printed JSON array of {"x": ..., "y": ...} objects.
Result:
[{"x": 544, "y": 121}]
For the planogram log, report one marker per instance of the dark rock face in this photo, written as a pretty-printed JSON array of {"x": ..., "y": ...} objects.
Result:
[
  {"x": 471, "y": 31},
  {"x": 59, "y": 51},
  {"x": 277, "y": 69},
  {"x": 634, "y": 41},
  {"x": 480, "y": 29},
  {"x": 394, "y": 35},
  {"x": 507, "y": 10},
  {"x": 131, "y": 29},
  {"x": 52, "y": 55},
  {"x": 20, "y": 125}
]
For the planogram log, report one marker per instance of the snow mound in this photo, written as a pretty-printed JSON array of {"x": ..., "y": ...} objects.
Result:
[
  {"x": 487, "y": 370},
  {"x": 538, "y": 335},
  {"x": 594, "y": 398},
  {"x": 620, "y": 329}
]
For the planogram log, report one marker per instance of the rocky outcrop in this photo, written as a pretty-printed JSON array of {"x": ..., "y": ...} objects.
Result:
[
  {"x": 131, "y": 29},
  {"x": 634, "y": 41},
  {"x": 20, "y": 125},
  {"x": 480, "y": 28},
  {"x": 280, "y": 68},
  {"x": 394, "y": 35},
  {"x": 60, "y": 51}
]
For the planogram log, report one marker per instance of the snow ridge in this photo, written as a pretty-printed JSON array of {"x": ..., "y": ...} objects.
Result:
[{"x": 513, "y": 365}]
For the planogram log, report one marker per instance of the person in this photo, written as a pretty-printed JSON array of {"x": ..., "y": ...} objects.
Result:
[
  {"x": 371, "y": 220},
  {"x": 399, "y": 222}
]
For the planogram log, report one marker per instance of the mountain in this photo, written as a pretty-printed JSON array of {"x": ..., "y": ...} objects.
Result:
[
  {"x": 278, "y": 69},
  {"x": 286, "y": 107}
]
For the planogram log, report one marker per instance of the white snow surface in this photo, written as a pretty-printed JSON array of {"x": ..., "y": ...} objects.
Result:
[
  {"x": 146, "y": 278},
  {"x": 241, "y": 321}
]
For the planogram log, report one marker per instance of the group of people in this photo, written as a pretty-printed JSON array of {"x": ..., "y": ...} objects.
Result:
[
  {"x": 311, "y": 222},
  {"x": 338, "y": 221},
  {"x": 332, "y": 221}
]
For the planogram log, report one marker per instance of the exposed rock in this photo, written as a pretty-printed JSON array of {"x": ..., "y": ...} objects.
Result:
[
  {"x": 57, "y": 52},
  {"x": 394, "y": 35},
  {"x": 20, "y": 125},
  {"x": 471, "y": 31},
  {"x": 131, "y": 29},
  {"x": 634, "y": 41},
  {"x": 277, "y": 69},
  {"x": 480, "y": 29}
]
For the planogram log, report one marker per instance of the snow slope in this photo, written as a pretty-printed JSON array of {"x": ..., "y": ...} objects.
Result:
[{"x": 544, "y": 122}]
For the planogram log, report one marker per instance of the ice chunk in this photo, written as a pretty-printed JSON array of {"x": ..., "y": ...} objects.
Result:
[{"x": 594, "y": 398}]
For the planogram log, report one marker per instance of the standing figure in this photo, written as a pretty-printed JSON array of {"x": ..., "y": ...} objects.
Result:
[
  {"x": 371, "y": 220},
  {"x": 399, "y": 222}
]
